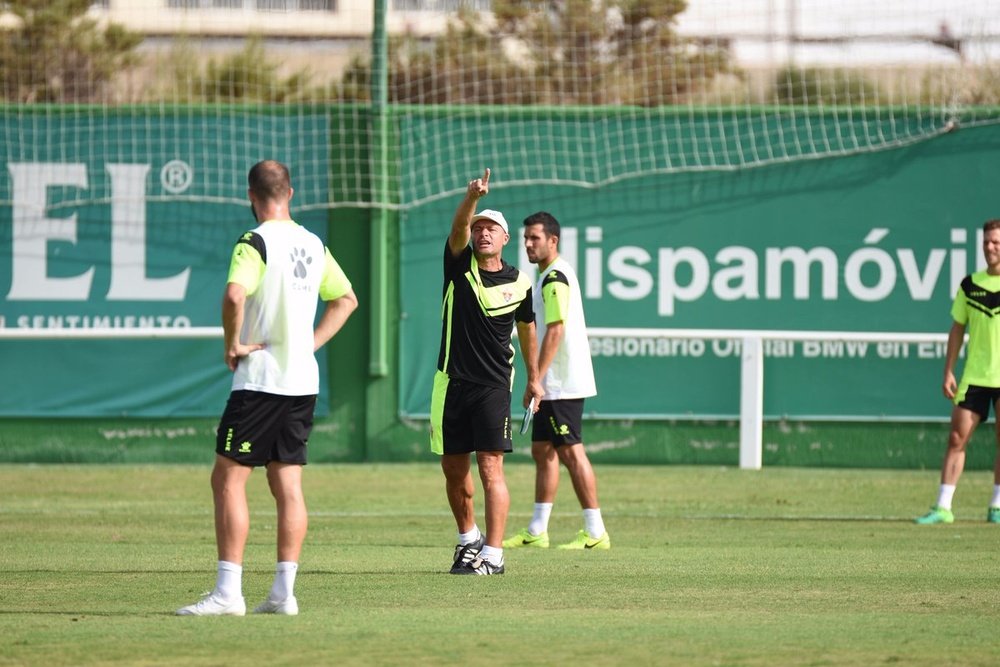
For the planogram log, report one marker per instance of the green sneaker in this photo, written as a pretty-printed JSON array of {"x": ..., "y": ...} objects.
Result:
[
  {"x": 585, "y": 541},
  {"x": 993, "y": 515},
  {"x": 936, "y": 515},
  {"x": 526, "y": 539}
]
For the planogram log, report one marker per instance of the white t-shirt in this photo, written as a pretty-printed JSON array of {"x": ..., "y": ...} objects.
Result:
[
  {"x": 285, "y": 269},
  {"x": 571, "y": 374}
]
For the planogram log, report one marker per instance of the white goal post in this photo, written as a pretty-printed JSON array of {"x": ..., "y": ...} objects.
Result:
[{"x": 752, "y": 367}]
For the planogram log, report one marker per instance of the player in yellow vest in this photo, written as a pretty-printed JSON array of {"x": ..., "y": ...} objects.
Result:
[
  {"x": 977, "y": 309},
  {"x": 567, "y": 373},
  {"x": 278, "y": 271}
]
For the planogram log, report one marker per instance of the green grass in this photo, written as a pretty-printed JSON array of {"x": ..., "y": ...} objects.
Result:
[{"x": 710, "y": 566}]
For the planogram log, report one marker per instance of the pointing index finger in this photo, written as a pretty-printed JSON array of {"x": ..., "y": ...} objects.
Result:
[{"x": 486, "y": 176}]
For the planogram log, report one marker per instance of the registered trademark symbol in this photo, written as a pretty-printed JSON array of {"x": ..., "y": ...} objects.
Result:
[{"x": 176, "y": 176}]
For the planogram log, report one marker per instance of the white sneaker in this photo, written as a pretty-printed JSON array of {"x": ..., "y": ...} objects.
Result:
[
  {"x": 212, "y": 605},
  {"x": 289, "y": 607}
]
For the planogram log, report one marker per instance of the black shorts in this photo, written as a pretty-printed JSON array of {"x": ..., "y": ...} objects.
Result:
[
  {"x": 257, "y": 428},
  {"x": 559, "y": 422},
  {"x": 978, "y": 399},
  {"x": 469, "y": 417}
]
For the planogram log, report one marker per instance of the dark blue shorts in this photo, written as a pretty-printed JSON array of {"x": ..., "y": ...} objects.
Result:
[
  {"x": 257, "y": 428},
  {"x": 559, "y": 422},
  {"x": 469, "y": 417},
  {"x": 978, "y": 399}
]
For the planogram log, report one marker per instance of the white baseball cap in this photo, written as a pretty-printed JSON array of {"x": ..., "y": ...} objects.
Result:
[{"x": 492, "y": 216}]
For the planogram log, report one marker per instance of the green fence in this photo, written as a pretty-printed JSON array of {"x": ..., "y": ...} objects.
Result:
[
  {"x": 876, "y": 242},
  {"x": 94, "y": 234}
]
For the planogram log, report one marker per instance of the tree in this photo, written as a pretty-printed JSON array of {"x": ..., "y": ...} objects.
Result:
[
  {"x": 247, "y": 75},
  {"x": 54, "y": 53},
  {"x": 827, "y": 87},
  {"x": 566, "y": 52}
]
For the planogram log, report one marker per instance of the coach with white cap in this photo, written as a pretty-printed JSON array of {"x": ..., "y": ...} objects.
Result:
[{"x": 484, "y": 298}]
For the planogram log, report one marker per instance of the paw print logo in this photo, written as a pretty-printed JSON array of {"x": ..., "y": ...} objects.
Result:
[{"x": 301, "y": 261}]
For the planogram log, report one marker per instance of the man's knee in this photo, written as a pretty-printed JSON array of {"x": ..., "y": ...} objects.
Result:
[
  {"x": 572, "y": 455},
  {"x": 228, "y": 474},
  {"x": 490, "y": 466},
  {"x": 455, "y": 466},
  {"x": 959, "y": 439},
  {"x": 542, "y": 452}
]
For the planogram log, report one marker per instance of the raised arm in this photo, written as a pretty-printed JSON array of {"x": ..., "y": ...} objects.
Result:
[{"x": 460, "y": 233}]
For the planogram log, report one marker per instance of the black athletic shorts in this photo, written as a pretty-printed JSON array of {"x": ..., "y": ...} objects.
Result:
[
  {"x": 257, "y": 428},
  {"x": 559, "y": 422},
  {"x": 473, "y": 417},
  {"x": 979, "y": 399}
]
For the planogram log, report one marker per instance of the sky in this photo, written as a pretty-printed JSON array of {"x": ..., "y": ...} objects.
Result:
[{"x": 878, "y": 29}]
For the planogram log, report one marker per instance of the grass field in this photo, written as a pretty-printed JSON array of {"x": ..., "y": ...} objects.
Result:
[{"x": 710, "y": 566}]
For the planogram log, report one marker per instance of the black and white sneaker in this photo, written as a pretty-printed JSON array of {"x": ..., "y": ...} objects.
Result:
[
  {"x": 465, "y": 553},
  {"x": 479, "y": 566}
]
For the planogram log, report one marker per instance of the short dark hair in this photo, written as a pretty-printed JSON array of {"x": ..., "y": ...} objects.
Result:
[
  {"x": 269, "y": 180},
  {"x": 991, "y": 224},
  {"x": 547, "y": 221}
]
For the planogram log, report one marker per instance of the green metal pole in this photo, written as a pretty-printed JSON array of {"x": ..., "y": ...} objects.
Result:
[{"x": 378, "y": 356}]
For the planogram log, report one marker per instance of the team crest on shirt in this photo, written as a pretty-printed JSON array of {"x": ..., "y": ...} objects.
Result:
[{"x": 507, "y": 296}]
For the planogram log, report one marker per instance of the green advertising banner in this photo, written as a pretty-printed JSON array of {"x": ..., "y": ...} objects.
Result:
[
  {"x": 874, "y": 242},
  {"x": 126, "y": 219},
  {"x": 108, "y": 226}
]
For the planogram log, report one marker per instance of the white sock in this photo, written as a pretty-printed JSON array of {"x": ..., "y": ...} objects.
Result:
[
  {"x": 540, "y": 519},
  {"x": 229, "y": 581},
  {"x": 945, "y": 494},
  {"x": 593, "y": 522},
  {"x": 284, "y": 581},
  {"x": 492, "y": 554},
  {"x": 996, "y": 496},
  {"x": 469, "y": 537}
]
